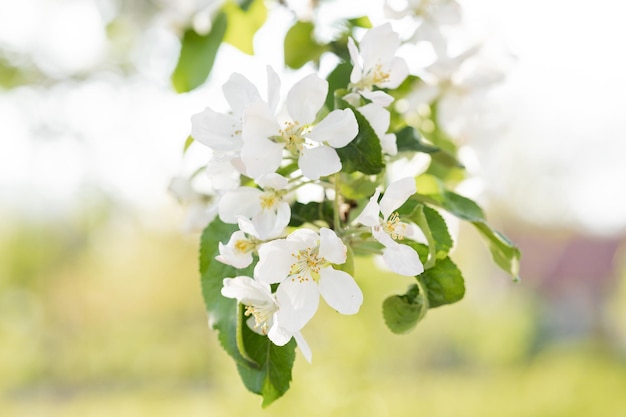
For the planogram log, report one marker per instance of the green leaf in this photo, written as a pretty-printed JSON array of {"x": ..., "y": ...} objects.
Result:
[
  {"x": 264, "y": 368},
  {"x": 339, "y": 78},
  {"x": 243, "y": 24},
  {"x": 408, "y": 140},
  {"x": 503, "y": 252},
  {"x": 197, "y": 55},
  {"x": 311, "y": 212},
  {"x": 364, "y": 153},
  {"x": 272, "y": 377},
  {"x": 363, "y": 22},
  {"x": 356, "y": 186},
  {"x": 403, "y": 312},
  {"x": 443, "y": 282},
  {"x": 439, "y": 231},
  {"x": 222, "y": 311},
  {"x": 300, "y": 46},
  {"x": 435, "y": 230},
  {"x": 431, "y": 190},
  {"x": 187, "y": 144}
]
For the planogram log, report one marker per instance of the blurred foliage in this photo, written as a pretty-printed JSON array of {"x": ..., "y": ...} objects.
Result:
[{"x": 99, "y": 316}]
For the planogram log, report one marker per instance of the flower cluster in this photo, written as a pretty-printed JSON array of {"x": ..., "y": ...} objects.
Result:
[
  {"x": 262, "y": 154},
  {"x": 302, "y": 183}
]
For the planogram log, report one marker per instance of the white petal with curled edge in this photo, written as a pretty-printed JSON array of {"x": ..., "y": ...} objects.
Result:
[
  {"x": 340, "y": 291},
  {"x": 378, "y": 97},
  {"x": 303, "y": 346},
  {"x": 242, "y": 201},
  {"x": 220, "y": 132},
  {"x": 273, "y": 181},
  {"x": 357, "y": 69},
  {"x": 377, "y": 116},
  {"x": 230, "y": 256},
  {"x": 332, "y": 247},
  {"x": 306, "y": 98},
  {"x": 247, "y": 290},
  {"x": 277, "y": 334},
  {"x": 319, "y": 162},
  {"x": 298, "y": 301},
  {"x": 389, "y": 144},
  {"x": 273, "y": 89},
  {"x": 369, "y": 216},
  {"x": 396, "y": 194},
  {"x": 337, "y": 129},
  {"x": 240, "y": 93},
  {"x": 403, "y": 260},
  {"x": 275, "y": 260},
  {"x": 270, "y": 224}
]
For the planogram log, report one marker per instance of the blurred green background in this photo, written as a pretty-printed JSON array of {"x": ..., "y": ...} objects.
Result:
[{"x": 100, "y": 305}]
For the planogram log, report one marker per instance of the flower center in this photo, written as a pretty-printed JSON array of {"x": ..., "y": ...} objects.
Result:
[
  {"x": 292, "y": 136},
  {"x": 307, "y": 265},
  {"x": 244, "y": 246},
  {"x": 269, "y": 199},
  {"x": 394, "y": 227},
  {"x": 262, "y": 315}
]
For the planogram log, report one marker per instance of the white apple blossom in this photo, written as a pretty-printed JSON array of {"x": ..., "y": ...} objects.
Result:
[
  {"x": 375, "y": 64},
  {"x": 302, "y": 264},
  {"x": 221, "y": 132},
  {"x": 401, "y": 259},
  {"x": 264, "y": 310},
  {"x": 265, "y": 138},
  {"x": 266, "y": 209}
]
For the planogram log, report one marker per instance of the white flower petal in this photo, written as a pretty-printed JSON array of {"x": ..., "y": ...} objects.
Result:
[
  {"x": 303, "y": 346},
  {"x": 357, "y": 70},
  {"x": 388, "y": 143},
  {"x": 379, "y": 46},
  {"x": 298, "y": 303},
  {"x": 340, "y": 291},
  {"x": 302, "y": 239},
  {"x": 273, "y": 89},
  {"x": 369, "y": 216},
  {"x": 398, "y": 71},
  {"x": 306, "y": 98},
  {"x": 277, "y": 334},
  {"x": 270, "y": 224},
  {"x": 337, "y": 129},
  {"x": 243, "y": 201},
  {"x": 247, "y": 290},
  {"x": 319, "y": 162},
  {"x": 377, "y": 116},
  {"x": 275, "y": 261},
  {"x": 220, "y": 132},
  {"x": 383, "y": 237},
  {"x": 261, "y": 157},
  {"x": 231, "y": 256},
  {"x": 332, "y": 247},
  {"x": 273, "y": 181},
  {"x": 396, "y": 194},
  {"x": 378, "y": 97},
  {"x": 240, "y": 93},
  {"x": 403, "y": 260}
]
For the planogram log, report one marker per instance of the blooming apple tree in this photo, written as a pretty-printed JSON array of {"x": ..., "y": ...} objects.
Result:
[{"x": 305, "y": 183}]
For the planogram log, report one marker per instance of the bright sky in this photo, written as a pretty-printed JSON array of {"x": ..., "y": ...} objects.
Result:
[{"x": 555, "y": 156}]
